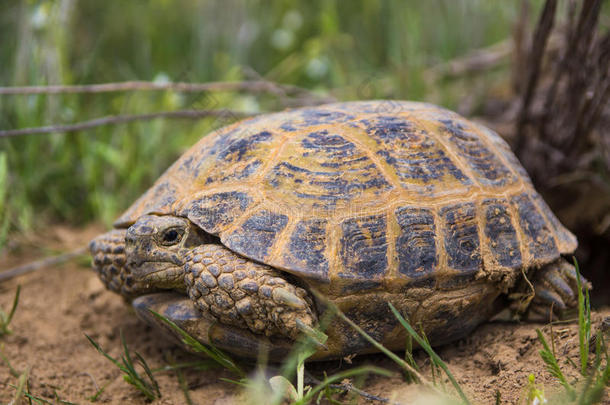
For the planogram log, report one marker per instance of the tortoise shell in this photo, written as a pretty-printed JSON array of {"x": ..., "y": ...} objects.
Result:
[{"x": 360, "y": 196}]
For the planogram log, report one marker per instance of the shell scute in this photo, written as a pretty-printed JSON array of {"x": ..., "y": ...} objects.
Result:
[
  {"x": 539, "y": 238},
  {"x": 364, "y": 247},
  {"x": 462, "y": 243},
  {"x": 416, "y": 244},
  {"x": 306, "y": 250},
  {"x": 217, "y": 211},
  {"x": 501, "y": 234},
  {"x": 504, "y": 150},
  {"x": 238, "y": 156},
  {"x": 418, "y": 159},
  {"x": 566, "y": 241},
  {"x": 487, "y": 167},
  {"x": 325, "y": 168},
  {"x": 255, "y": 237}
]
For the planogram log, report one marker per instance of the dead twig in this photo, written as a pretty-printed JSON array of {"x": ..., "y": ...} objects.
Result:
[
  {"x": 40, "y": 264},
  {"x": 121, "y": 119},
  {"x": 254, "y": 86},
  {"x": 475, "y": 61},
  {"x": 348, "y": 387}
]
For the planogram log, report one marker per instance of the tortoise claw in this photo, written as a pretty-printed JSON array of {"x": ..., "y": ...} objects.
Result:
[
  {"x": 556, "y": 287},
  {"x": 285, "y": 297}
]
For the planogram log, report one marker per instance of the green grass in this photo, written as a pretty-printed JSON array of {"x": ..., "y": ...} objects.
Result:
[
  {"x": 145, "y": 383},
  {"x": 5, "y": 319},
  {"x": 436, "y": 360},
  {"x": 410, "y": 368}
]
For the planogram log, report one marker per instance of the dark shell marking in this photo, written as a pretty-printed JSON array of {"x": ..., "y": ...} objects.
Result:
[
  {"x": 335, "y": 170},
  {"x": 500, "y": 233},
  {"x": 361, "y": 193},
  {"x": 416, "y": 245},
  {"x": 257, "y": 234},
  {"x": 413, "y": 154},
  {"x": 488, "y": 169},
  {"x": 364, "y": 247},
  {"x": 216, "y": 212},
  {"x": 237, "y": 157},
  {"x": 462, "y": 238},
  {"x": 306, "y": 250},
  {"x": 540, "y": 241}
]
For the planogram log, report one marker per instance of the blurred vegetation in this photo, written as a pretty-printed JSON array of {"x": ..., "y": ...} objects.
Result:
[{"x": 359, "y": 49}]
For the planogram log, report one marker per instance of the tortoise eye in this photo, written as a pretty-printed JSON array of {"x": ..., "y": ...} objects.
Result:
[{"x": 171, "y": 236}]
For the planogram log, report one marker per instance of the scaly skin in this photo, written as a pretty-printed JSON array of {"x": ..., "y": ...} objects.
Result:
[
  {"x": 246, "y": 294},
  {"x": 109, "y": 262}
]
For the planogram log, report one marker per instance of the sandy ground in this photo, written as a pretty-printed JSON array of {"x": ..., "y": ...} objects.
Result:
[{"x": 59, "y": 305}]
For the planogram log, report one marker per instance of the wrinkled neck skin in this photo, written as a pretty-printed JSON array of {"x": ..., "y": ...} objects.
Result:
[{"x": 155, "y": 247}]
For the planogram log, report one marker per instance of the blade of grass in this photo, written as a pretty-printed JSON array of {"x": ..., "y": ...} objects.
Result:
[
  {"x": 584, "y": 322},
  {"x": 150, "y": 388},
  {"x": 596, "y": 382},
  {"x": 5, "y": 320},
  {"x": 20, "y": 389},
  {"x": 410, "y": 359},
  {"x": 552, "y": 365},
  {"x": 149, "y": 373},
  {"x": 420, "y": 378},
  {"x": 11, "y": 369},
  {"x": 426, "y": 346},
  {"x": 99, "y": 349}
]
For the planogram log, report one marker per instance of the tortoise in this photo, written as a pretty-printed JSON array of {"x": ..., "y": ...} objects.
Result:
[{"x": 249, "y": 237}]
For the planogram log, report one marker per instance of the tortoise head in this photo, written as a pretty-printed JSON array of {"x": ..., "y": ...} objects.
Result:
[
  {"x": 155, "y": 247},
  {"x": 148, "y": 256}
]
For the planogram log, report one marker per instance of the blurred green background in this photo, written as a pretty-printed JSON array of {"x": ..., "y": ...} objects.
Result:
[{"x": 354, "y": 49}]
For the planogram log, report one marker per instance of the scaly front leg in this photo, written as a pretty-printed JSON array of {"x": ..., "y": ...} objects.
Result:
[{"x": 246, "y": 294}]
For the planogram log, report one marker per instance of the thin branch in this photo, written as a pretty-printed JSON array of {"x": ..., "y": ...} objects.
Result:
[
  {"x": 254, "y": 86},
  {"x": 475, "y": 61},
  {"x": 40, "y": 264},
  {"x": 121, "y": 119}
]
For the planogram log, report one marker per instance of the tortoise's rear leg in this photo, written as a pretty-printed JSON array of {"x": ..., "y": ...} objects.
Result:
[
  {"x": 203, "y": 327},
  {"x": 555, "y": 289}
]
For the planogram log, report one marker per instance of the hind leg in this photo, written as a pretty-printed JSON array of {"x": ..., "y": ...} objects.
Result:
[
  {"x": 555, "y": 290},
  {"x": 204, "y": 328}
]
